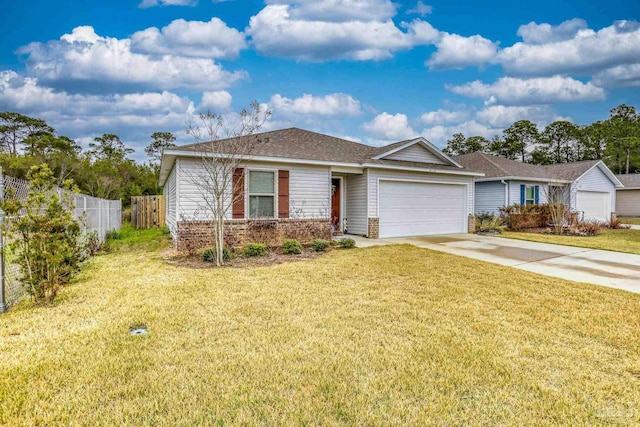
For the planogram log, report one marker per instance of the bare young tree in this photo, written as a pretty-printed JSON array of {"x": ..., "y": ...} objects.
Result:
[
  {"x": 559, "y": 202},
  {"x": 224, "y": 148}
]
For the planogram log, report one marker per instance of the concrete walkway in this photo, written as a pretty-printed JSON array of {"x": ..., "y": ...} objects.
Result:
[{"x": 606, "y": 268}]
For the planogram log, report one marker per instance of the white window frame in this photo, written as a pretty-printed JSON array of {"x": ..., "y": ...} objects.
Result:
[
  {"x": 249, "y": 193},
  {"x": 533, "y": 198}
]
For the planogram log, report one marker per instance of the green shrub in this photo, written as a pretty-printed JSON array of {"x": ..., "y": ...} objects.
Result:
[
  {"x": 291, "y": 246},
  {"x": 209, "y": 255},
  {"x": 165, "y": 230},
  {"x": 320, "y": 245},
  {"x": 255, "y": 249},
  {"x": 487, "y": 223},
  {"x": 346, "y": 243},
  {"x": 90, "y": 243},
  {"x": 114, "y": 235},
  {"x": 47, "y": 242}
]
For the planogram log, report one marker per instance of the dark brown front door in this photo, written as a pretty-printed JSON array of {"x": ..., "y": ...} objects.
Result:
[{"x": 335, "y": 204}]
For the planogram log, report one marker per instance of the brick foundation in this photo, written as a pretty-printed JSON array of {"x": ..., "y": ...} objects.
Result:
[
  {"x": 471, "y": 227},
  {"x": 373, "y": 229},
  {"x": 192, "y": 236}
]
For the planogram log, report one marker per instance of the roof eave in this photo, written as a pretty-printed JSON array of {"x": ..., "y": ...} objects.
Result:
[{"x": 524, "y": 178}]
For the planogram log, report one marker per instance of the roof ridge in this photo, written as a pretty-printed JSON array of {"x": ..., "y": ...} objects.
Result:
[{"x": 488, "y": 158}]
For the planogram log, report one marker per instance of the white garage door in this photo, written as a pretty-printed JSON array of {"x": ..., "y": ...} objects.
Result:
[
  {"x": 595, "y": 205},
  {"x": 418, "y": 209}
]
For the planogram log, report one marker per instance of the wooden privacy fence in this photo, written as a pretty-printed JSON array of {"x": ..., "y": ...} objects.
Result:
[{"x": 148, "y": 211}]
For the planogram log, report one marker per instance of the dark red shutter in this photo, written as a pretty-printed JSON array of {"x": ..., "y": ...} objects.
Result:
[
  {"x": 238, "y": 193},
  {"x": 283, "y": 194}
]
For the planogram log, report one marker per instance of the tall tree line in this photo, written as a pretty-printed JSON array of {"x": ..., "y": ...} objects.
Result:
[
  {"x": 615, "y": 140},
  {"x": 104, "y": 170}
]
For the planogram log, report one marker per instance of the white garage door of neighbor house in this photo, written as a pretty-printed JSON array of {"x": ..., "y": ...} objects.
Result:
[
  {"x": 418, "y": 208},
  {"x": 595, "y": 205}
]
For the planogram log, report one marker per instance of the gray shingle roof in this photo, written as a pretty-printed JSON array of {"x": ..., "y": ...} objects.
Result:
[
  {"x": 297, "y": 143},
  {"x": 500, "y": 167},
  {"x": 631, "y": 180}
]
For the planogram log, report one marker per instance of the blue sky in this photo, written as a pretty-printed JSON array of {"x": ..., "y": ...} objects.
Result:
[{"x": 374, "y": 71}]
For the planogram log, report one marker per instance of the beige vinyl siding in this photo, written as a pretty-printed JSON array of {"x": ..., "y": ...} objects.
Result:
[
  {"x": 309, "y": 190},
  {"x": 376, "y": 174},
  {"x": 416, "y": 153},
  {"x": 357, "y": 204},
  {"x": 628, "y": 202},
  {"x": 171, "y": 200}
]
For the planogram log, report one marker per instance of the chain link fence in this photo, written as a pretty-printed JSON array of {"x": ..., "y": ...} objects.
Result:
[{"x": 95, "y": 215}]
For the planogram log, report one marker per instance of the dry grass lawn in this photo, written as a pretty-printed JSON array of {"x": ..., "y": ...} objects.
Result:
[
  {"x": 391, "y": 335},
  {"x": 609, "y": 240},
  {"x": 635, "y": 221}
]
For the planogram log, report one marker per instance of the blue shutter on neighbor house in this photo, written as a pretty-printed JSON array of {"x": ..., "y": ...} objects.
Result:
[
  {"x": 522, "y": 194},
  {"x": 537, "y": 195}
]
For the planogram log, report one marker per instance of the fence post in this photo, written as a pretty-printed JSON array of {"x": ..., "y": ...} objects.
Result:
[
  {"x": 3, "y": 300},
  {"x": 84, "y": 212}
]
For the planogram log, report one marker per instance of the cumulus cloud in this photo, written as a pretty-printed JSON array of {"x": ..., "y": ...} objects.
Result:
[
  {"x": 216, "y": 101},
  {"x": 533, "y": 33},
  {"x": 421, "y": 9},
  {"x": 133, "y": 116},
  {"x": 584, "y": 53},
  {"x": 438, "y": 135},
  {"x": 387, "y": 126},
  {"x": 456, "y": 51},
  {"x": 86, "y": 57},
  {"x": 299, "y": 30},
  {"x": 501, "y": 116},
  {"x": 338, "y": 10},
  {"x": 329, "y": 105},
  {"x": 441, "y": 116},
  {"x": 144, "y": 4},
  {"x": 517, "y": 91},
  {"x": 213, "y": 39},
  {"x": 620, "y": 76}
]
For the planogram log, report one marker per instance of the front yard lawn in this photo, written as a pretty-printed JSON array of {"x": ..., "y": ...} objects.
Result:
[
  {"x": 392, "y": 335},
  {"x": 620, "y": 240},
  {"x": 635, "y": 221}
]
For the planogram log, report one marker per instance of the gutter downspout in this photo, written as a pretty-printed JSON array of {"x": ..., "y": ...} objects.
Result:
[{"x": 506, "y": 192}]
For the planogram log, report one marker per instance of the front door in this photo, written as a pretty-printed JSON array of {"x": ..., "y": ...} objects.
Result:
[{"x": 335, "y": 204}]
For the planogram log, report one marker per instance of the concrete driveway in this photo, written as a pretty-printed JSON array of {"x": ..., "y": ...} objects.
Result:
[{"x": 606, "y": 268}]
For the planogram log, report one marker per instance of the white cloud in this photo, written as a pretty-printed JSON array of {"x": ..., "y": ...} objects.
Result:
[
  {"x": 516, "y": 91},
  {"x": 421, "y": 9},
  {"x": 213, "y": 39},
  {"x": 438, "y": 135},
  {"x": 216, "y": 101},
  {"x": 386, "y": 126},
  {"x": 440, "y": 117},
  {"x": 144, "y": 4},
  {"x": 85, "y": 57},
  {"x": 620, "y": 76},
  {"x": 534, "y": 33},
  {"x": 501, "y": 116},
  {"x": 287, "y": 29},
  {"x": 456, "y": 51},
  {"x": 339, "y": 10},
  {"x": 587, "y": 52},
  {"x": 133, "y": 116},
  {"x": 329, "y": 105}
]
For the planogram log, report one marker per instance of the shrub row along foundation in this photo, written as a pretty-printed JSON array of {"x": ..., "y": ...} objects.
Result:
[{"x": 195, "y": 235}]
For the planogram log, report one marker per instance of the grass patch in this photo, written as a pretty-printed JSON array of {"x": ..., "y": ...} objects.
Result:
[
  {"x": 634, "y": 221},
  {"x": 610, "y": 240},
  {"x": 147, "y": 239},
  {"x": 392, "y": 335}
]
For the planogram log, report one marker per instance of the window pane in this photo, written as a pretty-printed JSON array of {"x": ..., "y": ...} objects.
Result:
[
  {"x": 261, "y": 207},
  {"x": 530, "y": 192},
  {"x": 261, "y": 182}
]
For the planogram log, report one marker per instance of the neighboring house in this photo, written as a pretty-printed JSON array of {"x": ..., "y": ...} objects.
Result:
[
  {"x": 295, "y": 177},
  {"x": 628, "y": 198},
  {"x": 591, "y": 185}
]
